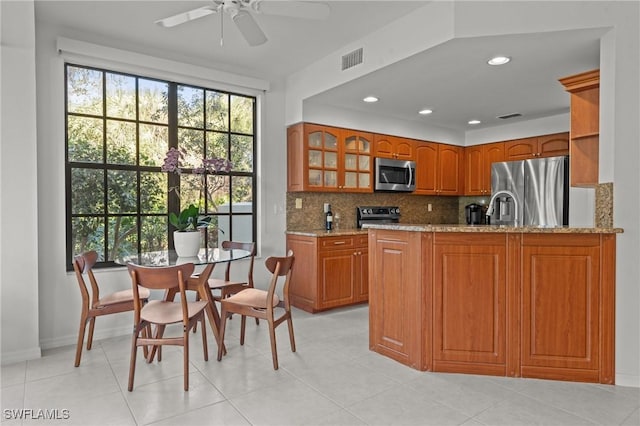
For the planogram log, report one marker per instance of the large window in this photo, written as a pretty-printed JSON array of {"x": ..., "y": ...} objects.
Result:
[{"x": 119, "y": 128}]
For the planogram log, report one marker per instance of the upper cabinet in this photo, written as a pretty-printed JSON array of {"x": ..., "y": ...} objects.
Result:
[
  {"x": 585, "y": 126},
  {"x": 394, "y": 147},
  {"x": 439, "y": 169},
  {"x": 325, "y": 158},
  {"x": 535, "y": 147},
  {"x": 478, "y": 160}
]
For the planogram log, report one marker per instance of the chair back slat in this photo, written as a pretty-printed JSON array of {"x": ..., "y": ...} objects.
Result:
[
  {"x": 156, "y": 278},
  {"x": 238, "y": 245}
]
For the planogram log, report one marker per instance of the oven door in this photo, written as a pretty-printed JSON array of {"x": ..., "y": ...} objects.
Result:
[{"x": 395, "y": 175}]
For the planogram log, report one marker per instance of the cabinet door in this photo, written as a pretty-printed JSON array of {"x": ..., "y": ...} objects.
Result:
[
  {"x": 322, "y": 156},
  {"x": 560, "y": 306},
  {"x": 474, "y": 172},
  {"x": 304, "y": 276},
  {"x": 521, "y": 149},
  {"x": 426, "y": 168},
  {"x": 491, "y": 153},
  {"x": 356, "y": 168},
  {"x": 450, "y": 172},
  {"x": 553, "y": 145},
  {"x": 395, "y": 295},
  {"x": 384, "y": 146},
  {"x": 469, "y": 303},
  {"x": 404, "y": 149},
  {"x": 337, "y": 277}
]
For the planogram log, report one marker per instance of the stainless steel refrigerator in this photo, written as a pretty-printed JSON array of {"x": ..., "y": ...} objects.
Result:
[{"x": 530, "y": 192}]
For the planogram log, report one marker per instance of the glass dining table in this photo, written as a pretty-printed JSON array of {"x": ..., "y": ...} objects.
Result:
[{"x": 198, "y": 282}]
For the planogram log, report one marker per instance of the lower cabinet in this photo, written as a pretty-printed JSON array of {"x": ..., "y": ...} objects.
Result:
[
  {"x": 506, "y": 304},
  {"x": 329, "y": 271}
]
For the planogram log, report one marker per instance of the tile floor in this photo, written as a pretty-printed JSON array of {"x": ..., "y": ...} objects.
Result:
[{"x": 333, "y": 379}]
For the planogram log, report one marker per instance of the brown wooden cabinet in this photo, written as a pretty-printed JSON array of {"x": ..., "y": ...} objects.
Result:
[
  {"x": 538, "y": 146},
  {"x": 439, "y": 169},
  {"x": 329, "y": 272},
  {"x": 396, "y": 317},
  {"x": 328, "y": 159},
  {"x": 512, "y": 304},
  {"x": 585, "y": 127},
  {"x": 478, "y": 160},
  {"x": 470, "y": 303},
  {"x": 395, "y": 147},
  {"x": 567, "y": 310}
]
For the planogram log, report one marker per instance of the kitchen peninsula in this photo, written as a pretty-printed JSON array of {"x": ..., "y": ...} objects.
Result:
[{"x": 504, "y": 301}]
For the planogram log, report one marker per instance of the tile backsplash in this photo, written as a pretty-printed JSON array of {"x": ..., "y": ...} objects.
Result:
[{"x": 413, "y": 208}]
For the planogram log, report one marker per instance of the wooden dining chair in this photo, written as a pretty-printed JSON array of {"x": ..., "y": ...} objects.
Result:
[
  {"x": 161, "y": 313},
  {"x": 223, "y": 288},
  {"x": 252, "y": 302},
  {"x": 94, "y": 304}
]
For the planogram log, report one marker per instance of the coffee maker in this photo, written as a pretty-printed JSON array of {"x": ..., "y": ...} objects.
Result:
[{"x": 475, "y": 214}]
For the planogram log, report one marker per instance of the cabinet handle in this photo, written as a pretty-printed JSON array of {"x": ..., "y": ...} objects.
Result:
[{"x": 337, "y": 243}]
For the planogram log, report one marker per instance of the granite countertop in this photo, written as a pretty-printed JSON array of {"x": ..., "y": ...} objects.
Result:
[
  {"x": 324, "y": 233},
  {"x": 493, "y": 228},
  {"x": 453, "y": 228}
]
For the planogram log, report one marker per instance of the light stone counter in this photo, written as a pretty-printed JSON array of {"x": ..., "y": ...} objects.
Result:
[
  {"x": 453, "y": 228},
  {"x": 493, "y": 228}
]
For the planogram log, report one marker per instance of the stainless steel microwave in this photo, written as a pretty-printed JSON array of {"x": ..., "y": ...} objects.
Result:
[{"x": 395, "y": 175}]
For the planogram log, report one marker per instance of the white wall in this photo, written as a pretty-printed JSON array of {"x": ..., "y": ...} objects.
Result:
[
  {"x": 18, "y": 188},
  {"x": 619, "y": 109},
  {"x": 57, "y": 290}
]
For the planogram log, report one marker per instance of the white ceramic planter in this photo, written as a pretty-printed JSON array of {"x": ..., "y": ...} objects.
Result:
[{"x": 187, "y": 244}]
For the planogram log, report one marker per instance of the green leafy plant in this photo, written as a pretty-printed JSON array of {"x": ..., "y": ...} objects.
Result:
[{"x": 189, "y": 219}]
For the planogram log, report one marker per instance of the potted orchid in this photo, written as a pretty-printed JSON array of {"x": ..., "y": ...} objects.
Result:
[{"x": 190, "y": 219}]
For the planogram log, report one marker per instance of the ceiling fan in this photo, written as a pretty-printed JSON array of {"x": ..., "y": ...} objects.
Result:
[{"x": 241, "y": 11}]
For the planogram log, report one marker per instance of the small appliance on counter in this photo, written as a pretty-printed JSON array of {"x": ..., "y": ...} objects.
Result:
[
  {"x": 475, "y": 214},
  {"x": 377, "y": 214}
]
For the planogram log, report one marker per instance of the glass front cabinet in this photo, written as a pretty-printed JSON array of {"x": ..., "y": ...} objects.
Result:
[{"x": 324, "y": 158}]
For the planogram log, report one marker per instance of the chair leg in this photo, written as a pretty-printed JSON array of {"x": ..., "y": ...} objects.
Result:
[
  {"x": 223, "y": 326},
  {"x": 243, "y": 326},
  {"x": 272, "y": 337},
  {"x": 292, "y": 340},
  {"x": 185, "y": 359},
  {"x": 132, "y": 362},
  {"x": 92, "y": 323},
  {"x": 83, "y": 326},
  {"x": 204, "y": 337}
]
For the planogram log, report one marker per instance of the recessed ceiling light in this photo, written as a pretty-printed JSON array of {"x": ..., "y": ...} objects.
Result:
[
  {"x": 425, "y": 111},
  {"x": 370, "y": 99},
  {"x": 474, "y": 121},
  {"x": 499, "y": 60}
]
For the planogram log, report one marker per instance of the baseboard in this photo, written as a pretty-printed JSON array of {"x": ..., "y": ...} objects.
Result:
[
  {"x": 98, "y": 334},
  {"x": 19, "y": 356},
  {"x": 628, "y": 380}
]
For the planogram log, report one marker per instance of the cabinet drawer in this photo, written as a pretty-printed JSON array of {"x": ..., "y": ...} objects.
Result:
[
  {"x": 362, "y": 240},
  {"x": 330, "y": 243}
]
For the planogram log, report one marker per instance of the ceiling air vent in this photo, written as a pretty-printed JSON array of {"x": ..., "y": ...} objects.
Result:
[
  {"x": 352, "y": 59},
  {"x": 508, "y": 116}
]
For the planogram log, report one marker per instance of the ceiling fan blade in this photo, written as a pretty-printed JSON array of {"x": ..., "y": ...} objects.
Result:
[
  {"x": 293, "y": 9},
  {"x": 181, "y": 18},
  {"x": 249, "y": 28}
]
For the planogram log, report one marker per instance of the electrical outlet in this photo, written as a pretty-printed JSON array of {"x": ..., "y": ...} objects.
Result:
[
  {"x": 298, "y": 203},
  {"x": 429, "y": 207}
]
